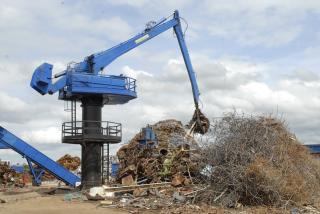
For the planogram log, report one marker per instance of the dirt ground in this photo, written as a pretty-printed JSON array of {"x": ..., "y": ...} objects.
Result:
[
  {"x": 36, "y": 200},
  {"x": 53, "y": 205}
]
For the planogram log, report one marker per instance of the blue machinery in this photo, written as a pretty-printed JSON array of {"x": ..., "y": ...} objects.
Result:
[
  {"x": 314, "y": 148},
  {"x": 32, "y": 155},
  {"x": 148, "y": 138},
  {"x": 83, "y": 82}
]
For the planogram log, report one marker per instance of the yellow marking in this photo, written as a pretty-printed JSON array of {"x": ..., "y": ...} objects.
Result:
[{"x": 142, "y": 39}]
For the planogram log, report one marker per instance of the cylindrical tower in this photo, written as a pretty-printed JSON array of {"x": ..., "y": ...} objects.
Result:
[
  {"x": 91, "y": 157},
  {"x": 92, "y": 133}
]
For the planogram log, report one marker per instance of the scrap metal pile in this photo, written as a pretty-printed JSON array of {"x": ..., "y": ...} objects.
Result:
[
  {"x": 6, "y": 173},
  {"x": 243, "y": 160},
  {"x": 256, "y": 160},
  {"x": 9, "y": 177},
  {"x": 171, "y": 160},
  {"x": 69, "y": 162}
]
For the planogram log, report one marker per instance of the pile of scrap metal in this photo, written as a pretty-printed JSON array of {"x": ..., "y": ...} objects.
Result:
[
  {"x": 134, "y": 198},
  {"x": 69, "y": 162},
  {"x": 161, "y": 152},
  {"x": 9, "y": 177}
]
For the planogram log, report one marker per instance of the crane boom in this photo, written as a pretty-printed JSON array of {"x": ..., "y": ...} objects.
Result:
[{"x": 95, "y": 63}]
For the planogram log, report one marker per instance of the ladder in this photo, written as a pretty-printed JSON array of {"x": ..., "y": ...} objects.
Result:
[
  {"x": 105, "y": 162},
  {"x": 71, "y": 106},
  {"x": 73, "y": 116}
]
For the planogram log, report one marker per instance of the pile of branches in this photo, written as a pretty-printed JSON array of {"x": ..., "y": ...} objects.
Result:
[{"x": 255, "y": 160}]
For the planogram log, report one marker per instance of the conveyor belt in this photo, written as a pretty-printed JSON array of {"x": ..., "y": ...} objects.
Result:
[{"x": 27, "y": 151}]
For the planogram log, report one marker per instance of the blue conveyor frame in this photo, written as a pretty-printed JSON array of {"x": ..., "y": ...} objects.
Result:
[{"x": 9, "y": 140}]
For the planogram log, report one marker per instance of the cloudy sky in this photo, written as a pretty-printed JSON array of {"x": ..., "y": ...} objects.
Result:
[{"x": 258, "y": 57}]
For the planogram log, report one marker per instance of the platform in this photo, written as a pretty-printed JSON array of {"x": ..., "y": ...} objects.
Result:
[
  {"x": 113, "y": 89},
  {"x": 95, "y": 131}
]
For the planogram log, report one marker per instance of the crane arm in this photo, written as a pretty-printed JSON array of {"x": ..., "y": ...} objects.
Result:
[
  {"x": 97, "y": 62},
  {"x": 93, "y": 64}
]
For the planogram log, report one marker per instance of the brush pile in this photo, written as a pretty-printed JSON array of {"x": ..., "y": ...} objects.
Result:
[{"x": 255, "y": 160}]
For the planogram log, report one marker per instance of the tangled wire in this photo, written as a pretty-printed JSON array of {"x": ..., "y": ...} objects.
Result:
[{"x": 255, "y": 160}]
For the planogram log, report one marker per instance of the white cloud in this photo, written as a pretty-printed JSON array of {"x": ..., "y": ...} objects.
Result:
[
  {"x": 50, "y": 27},
  {"x": 262, "y": 5},
  {"x": 137, "y": 3},
  {"x": 257, "y": 29},
  {"x": 127, "y": 71},
  {"x": 304, "y": 76},
  {"x": 49, "y": 135},
  {"x": 264, "y": 23},
  {"x": 155, "y": 5},
  {"x": 9, "y": 106}
]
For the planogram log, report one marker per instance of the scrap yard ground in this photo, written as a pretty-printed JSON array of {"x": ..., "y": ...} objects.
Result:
[
  {"x": 229, "y": 126},
  {"x": 34, "y": 203},
  {"x": 254, "y": 165}
]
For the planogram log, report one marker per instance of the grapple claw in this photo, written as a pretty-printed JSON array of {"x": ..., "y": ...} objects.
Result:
[{"x": 199, "y": 122}]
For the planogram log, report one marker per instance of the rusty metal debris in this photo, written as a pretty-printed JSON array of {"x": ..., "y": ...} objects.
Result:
[
  {"x": 70, "y": 162},
  {"x": 172, "y": 158},
  {"x": 199, "y": 123},
  {"x": 256, "y": 160},
  {"x": 8, "y": 177},
  {"x": 243, "y": 160}
]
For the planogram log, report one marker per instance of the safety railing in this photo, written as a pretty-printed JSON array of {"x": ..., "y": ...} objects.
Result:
[
  {"x": 131, "y": 84},
  {"x": 91, "y": 129}
]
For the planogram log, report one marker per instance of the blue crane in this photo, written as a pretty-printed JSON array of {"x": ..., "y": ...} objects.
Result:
[
  {"x": 84, "y": 82},
  {"x": 85, "y": 76}
]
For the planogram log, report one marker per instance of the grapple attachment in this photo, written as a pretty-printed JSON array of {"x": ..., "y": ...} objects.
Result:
[{"x": 199, "y": 123}]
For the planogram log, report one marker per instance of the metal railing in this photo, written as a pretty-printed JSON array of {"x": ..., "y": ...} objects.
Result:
[
  {"x": 91, "y": 129},
  {"x": 131, "y": 84}
]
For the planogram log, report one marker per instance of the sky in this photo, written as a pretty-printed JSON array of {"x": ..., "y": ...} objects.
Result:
[{"x": 256, "y": 57}]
